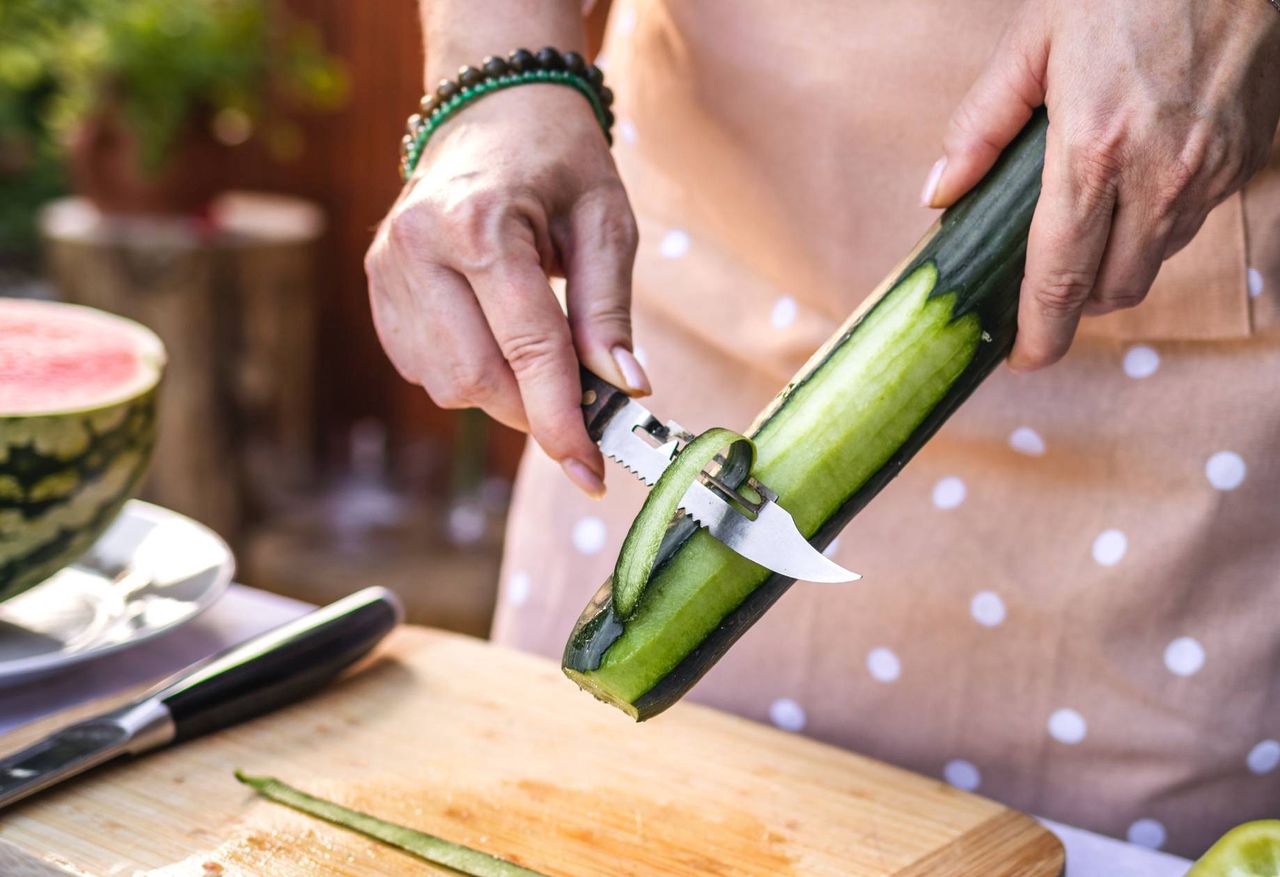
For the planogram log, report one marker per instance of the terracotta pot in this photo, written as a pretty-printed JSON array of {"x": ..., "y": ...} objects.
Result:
[{"x": 106, "y": 166}]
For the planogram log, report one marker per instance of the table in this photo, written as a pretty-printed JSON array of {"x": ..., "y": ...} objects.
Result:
[{"x": 245, "y": 611}]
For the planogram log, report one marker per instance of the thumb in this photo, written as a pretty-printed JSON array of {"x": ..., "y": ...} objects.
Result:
[
  {"x": 600, "y": 255},
  {"x": 995, "y": 109}
]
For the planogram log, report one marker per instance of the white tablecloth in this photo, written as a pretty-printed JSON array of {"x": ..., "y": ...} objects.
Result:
[{"x": 244, "y": 612}]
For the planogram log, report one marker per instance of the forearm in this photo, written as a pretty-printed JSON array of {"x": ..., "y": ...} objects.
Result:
[{"x": 461, "y": 32}]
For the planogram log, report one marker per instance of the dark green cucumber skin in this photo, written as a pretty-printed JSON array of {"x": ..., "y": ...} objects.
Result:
[{"x": 980, "y": 252}]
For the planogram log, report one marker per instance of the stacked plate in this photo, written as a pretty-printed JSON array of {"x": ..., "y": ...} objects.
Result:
[{"x": 152, "y": 571}]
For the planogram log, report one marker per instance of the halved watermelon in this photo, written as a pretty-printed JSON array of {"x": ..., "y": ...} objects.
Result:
[{"x": 77, "y": 424}]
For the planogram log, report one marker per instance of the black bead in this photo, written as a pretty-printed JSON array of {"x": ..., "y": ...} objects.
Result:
[
  {"x": 605, "y": 93},
  {"x": 469, "y": 77},
  {"x": 575, "y": 63},
  {"x": 446, "y": 90},
  {"x": 522, "y": 61},
  {"x": 495, "y": 67},
  {"x": 428, "y": 105},
  {"x": 550, "y": 59},
  {"x": 595, "y": 75},
  {"x": 608, "y": 118}
]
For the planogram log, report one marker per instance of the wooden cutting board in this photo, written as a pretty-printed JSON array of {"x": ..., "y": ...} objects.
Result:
[{"x": 497, "y": 750}]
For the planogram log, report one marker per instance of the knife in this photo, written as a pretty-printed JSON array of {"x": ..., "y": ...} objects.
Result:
[
  {"x": 269, "y": 671},
  {"x": 628, "y": 433}
]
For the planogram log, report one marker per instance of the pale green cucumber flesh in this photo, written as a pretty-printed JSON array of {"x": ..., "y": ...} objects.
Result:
[
  {"x": 822, "y": 446},
  {"x": 643, "y": 542}
]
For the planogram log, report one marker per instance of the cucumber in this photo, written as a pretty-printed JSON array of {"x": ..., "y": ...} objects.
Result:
[
  {"x": 845, "y": 425},
  {"x": 456, "y": 857}
]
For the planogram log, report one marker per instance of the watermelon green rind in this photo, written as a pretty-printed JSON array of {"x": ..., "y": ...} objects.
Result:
[{"x": 64, "y": 475}]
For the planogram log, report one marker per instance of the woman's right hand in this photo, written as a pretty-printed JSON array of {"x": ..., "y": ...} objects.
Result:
[{"x": 518, "y": 187}]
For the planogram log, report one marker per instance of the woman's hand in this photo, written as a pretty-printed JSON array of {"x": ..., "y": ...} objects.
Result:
[
  {"x": 1159, "y": 110},
  {"x": 517, "y": 187}
]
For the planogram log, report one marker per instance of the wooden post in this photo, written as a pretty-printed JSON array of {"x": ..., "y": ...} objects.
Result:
[{"x": 231, "y": 298}]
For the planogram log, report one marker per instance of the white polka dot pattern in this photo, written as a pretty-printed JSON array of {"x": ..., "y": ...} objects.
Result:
[
  {"x": 1026, "y": 440},
  {"x": 1264, "y": 758},
  {"x": 962, "y": 774},
  {"x": 1184, "y": 656},
  {"x": 987, "y": 608},
  {"x": 787, "y": 714},
  {"x": 783, "y": 313},
  {"x": 949, "y": 492},
  {"x": 1225, "y": 470},
  {"x": 1067, "y": 726},
  {"x": 1110, "y": 547},
  {"x": 1141, "y": 361},
  {"x": 1255, "y": 283},
  {"x": 518, "y": 588},
  {"x": 675, "y": 243},
  {"x": 589, "y": 535},
  {"x": 883, "y": 665},
  {"x": 1147, "y": 833}
]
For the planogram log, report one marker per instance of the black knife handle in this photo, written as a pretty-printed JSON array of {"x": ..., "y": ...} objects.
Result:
[
  {"x": 600, "y": 401},
  {"x": 280, "y": 666}
]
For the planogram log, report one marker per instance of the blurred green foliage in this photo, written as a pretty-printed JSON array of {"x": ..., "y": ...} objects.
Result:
[{"x": 163, "y": 65}]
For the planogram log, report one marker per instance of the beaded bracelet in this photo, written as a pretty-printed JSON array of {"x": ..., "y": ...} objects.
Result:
[{"x": 521, "y": 67}]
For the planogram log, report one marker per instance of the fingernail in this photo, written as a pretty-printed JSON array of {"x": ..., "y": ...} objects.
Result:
[
  {"x": 632, "y": 372},
  {"x": 931, "y": 185},
  {"x": 586, "y": 480}
]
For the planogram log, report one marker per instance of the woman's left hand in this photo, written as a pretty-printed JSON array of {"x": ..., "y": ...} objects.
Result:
[{"x": 1159, "y": 110}]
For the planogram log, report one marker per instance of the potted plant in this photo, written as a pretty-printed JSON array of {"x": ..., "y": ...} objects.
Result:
[
  {"x": 31, "y": 170},
  {"x": 148, "y": 96}
]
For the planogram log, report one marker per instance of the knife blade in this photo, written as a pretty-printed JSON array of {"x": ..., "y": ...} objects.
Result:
[
  {"x": 629, "y": 434},
  {"x": 269, "y": 671}
]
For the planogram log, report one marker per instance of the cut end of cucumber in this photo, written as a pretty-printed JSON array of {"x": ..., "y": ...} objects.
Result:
[{"x": 587, "y": 682}]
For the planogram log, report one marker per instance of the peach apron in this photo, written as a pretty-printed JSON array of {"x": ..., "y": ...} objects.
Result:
[{"x": 1072, "y": 595}]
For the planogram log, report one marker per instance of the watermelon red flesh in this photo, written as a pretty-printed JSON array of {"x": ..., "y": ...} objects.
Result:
[
  {"x": 77, "y": 424},
  {"x": 60, "y": 358}
]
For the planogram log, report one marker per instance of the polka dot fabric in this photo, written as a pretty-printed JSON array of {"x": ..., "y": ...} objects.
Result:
[{"x": 1067, "y": 595}]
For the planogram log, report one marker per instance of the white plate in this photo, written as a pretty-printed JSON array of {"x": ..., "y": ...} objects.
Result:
[{"x": 151, "y": 571}]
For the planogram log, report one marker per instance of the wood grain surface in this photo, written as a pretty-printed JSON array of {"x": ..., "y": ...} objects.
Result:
[{"x": 496, "y": 750}]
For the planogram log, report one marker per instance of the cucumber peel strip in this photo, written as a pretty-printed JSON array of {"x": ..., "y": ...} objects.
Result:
[
  {"x": 644, "y": 540},
  {"x": 460, "y": 858}
]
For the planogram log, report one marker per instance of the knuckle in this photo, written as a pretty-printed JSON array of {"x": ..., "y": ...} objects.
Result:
[
  {"x": 405, "y": 228},
  {"x": 445, "y": 397},
  {"x": 1096, "y": 161},
  {"x": 620, "y": 229},
  {"x": 532, "y": 354},
  {"x": 1063, "y": 291},
  {"x": 373, "y": 257},
  {"x": 965, "y": 130},
  {"x": 607, "y": 210},
  {"x": 610, "y": 315},
  {"x": 475, "y": 223},
  {"x": 473, "y": 382},
  {"x": 1123, "y": 298}
]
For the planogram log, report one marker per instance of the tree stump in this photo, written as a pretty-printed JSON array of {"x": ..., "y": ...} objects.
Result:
[{"x": 232, "y": 298}]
